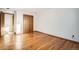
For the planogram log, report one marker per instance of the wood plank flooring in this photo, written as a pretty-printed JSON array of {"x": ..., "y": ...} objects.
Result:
[{"x": 35, "y": 41}]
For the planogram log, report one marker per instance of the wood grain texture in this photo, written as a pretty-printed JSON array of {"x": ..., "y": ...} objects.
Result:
[
  {"x": 27, "y": 23},
  {"x": 36, "y": 41}
]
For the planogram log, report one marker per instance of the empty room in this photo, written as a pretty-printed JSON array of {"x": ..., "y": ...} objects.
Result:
[{"x": 39, "y": 29}]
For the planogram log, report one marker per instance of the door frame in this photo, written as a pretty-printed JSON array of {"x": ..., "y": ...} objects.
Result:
[{"x": 13, "y": 20}]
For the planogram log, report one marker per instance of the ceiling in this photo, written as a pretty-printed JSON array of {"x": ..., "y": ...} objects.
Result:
[
  {"x": 27, "y": 9},
  {"x": 30, "y": 9},
  {"x": 34, "y": 10}
]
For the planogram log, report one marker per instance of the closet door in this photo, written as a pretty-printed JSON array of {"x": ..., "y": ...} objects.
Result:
[{"x": 27, "y": 23}]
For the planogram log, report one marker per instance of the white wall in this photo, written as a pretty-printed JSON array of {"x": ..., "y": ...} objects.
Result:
[
  {"x": 18, "y": 21},
  {"x": 60, "y": 22}
]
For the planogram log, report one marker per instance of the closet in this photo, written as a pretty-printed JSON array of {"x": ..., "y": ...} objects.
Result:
[{"x": 27, "y": 23}]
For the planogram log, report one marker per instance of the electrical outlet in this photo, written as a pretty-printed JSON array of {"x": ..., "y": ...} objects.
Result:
[{"x": 72, "y": 36}]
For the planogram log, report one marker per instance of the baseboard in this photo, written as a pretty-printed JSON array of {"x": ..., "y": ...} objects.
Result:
[{"x": 58, "y": 37}]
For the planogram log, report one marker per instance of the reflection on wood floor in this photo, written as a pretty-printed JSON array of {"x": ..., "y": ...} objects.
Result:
[{"x": 35, "y": 41}]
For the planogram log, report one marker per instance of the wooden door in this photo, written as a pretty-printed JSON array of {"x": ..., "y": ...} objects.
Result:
[{"x": 27, "y": 23}]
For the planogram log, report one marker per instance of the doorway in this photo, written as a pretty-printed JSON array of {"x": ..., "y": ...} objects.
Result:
[
  {"x": 9, "y": 23},
  {"x": 27, "y": 23}
]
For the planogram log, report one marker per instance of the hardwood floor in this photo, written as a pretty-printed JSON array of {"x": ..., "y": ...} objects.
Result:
[{"x": 36, "y": 41}]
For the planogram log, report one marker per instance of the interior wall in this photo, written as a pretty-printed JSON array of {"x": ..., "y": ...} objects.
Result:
[
  {"x": 60, "y": 22},
  {"x": 18, "y": 22}
]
